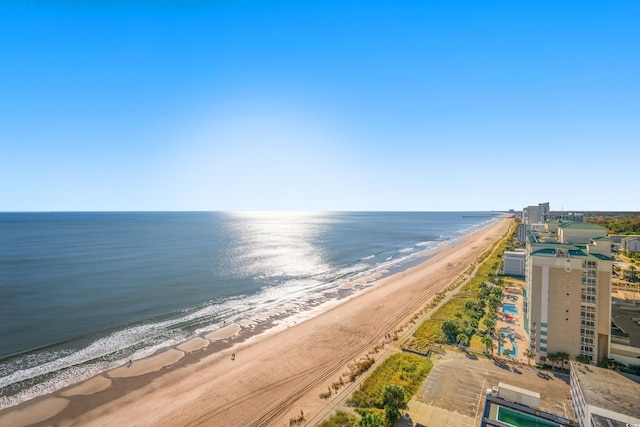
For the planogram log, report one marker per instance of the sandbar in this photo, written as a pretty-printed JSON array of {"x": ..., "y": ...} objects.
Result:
[
  {"x": 193, "y": 345},
  {"x": 148, "y": 365},
  {"x": 223, "y": 333}
]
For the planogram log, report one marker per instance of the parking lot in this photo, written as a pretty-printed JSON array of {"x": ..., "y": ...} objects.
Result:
[{"x": 453, "y": 393}]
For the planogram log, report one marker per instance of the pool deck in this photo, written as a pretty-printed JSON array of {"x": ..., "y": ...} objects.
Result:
[{"x": 514, "y": 325}]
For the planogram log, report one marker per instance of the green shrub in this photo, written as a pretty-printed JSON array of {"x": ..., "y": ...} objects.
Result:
[
  {"x": 407, "y": 371},
  {"x": 341, "y": 419}
]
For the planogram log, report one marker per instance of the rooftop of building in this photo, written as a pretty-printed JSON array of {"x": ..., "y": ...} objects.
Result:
[
  {"x": 608, "y": 389},
  {"x": 580, "y": 225},
  {"x": 618, "y": 238},
  {"x": 622, "y": 315},
  {"x": 565, "y": 250},
  {"x": 515, "y": 253}
]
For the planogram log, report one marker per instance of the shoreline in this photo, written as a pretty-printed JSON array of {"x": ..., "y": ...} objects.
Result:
[{"x": 279, "y": 368}]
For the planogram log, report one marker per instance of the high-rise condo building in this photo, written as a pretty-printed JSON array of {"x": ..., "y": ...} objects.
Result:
[
  {"x": 535, "y": 214},
  {"x": 568, "y": 291}
]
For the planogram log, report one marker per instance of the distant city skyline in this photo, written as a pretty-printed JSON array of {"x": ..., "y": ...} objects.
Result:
[{"x": 330, "y": 106}]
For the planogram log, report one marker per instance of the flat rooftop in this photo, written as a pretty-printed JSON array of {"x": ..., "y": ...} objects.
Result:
[
  {"x": 624, "y": 319},
  {"x": 569, "y": 250},
  {"x": 608, "y": 389}
]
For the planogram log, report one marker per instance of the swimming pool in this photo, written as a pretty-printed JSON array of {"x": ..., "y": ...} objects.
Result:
[
  {"x": 513, "y": 353},
  {"x": 509, "y": 309},
  {"x": 520, "y": 419}
]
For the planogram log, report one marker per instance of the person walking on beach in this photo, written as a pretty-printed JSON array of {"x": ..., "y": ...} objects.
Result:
[{"x": 233, "y": 356}]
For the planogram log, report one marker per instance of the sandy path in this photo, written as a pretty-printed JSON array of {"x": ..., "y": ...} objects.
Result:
[{"x": 275, "y": 376}]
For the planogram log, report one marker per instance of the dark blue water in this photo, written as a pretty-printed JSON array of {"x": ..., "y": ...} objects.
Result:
[{"x": 83, "y": 292}]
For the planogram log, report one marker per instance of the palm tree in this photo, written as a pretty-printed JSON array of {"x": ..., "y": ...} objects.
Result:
[
  {"x": 529, "y": 354},
  {"x": 491, "y": 346},
  {"x": 462, "y": 339},
  {"x": 488, "y": 323},
  {"x": 553, "y": 358},
  {"x": 583, "y": 358},
  {"x": 487, "y": 341},
  {"x": 562, "y": 357},
  {"x": 493, "y": 301}
]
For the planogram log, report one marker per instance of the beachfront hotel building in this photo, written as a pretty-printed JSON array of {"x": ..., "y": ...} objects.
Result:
[
  {"x": 533, "y": 218},
  {"x": 567, "y": 306},
  {"x": 535, "y": 214}
]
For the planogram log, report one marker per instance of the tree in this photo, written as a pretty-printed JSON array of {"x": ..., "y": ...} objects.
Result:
[
  {"x": 529, "y": 354},
  {"x": 393, "y": 401},
  {"x": 488, "y": 323},
  {"x": 583, "y": 358},
  {"x": 487, "y": 341},
  {"x": 500, "y": 340},
  {"x": 462, "y": 339},
  {"x": 553, "y": 358},
  {"x": 490, "y": 345},
  {"x": 493, "y": 301},
  {"x": 450, "y": 330},
  {"x": 483, "y": 293},
  {"x": 472, "y": 322},
  {"x": 562, "y": 357}
]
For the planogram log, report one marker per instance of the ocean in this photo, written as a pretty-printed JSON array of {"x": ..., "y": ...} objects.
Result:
[{"x": 81, "y": 293}]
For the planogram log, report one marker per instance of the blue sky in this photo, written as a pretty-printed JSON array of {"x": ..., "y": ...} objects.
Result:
[{"x": 318, "y": 105}]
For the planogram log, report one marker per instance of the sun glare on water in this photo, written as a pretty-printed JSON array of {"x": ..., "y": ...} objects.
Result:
[{"x": 279, "y": 244}]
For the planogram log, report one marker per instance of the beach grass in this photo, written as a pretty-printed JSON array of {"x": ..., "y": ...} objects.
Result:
[
  {"x": 405, "y": 370},
  {"x": 341, "y": 419},
  {"x": 476, "y": 345}
]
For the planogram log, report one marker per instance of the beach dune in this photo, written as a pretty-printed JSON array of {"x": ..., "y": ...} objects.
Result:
[{"x": 274, "y": 376}]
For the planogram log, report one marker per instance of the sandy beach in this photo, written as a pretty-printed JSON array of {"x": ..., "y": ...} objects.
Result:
[{"x": 273, "y": 376}]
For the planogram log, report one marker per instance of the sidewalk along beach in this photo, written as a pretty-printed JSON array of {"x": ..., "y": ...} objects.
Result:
[{"x": 274, "y": 375}]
